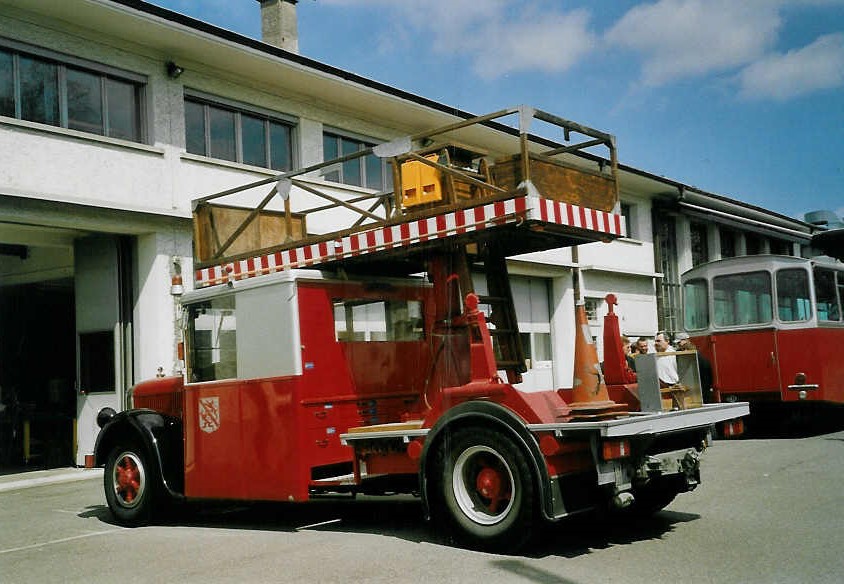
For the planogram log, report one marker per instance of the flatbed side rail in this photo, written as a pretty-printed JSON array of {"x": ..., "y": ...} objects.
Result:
[
  {"x": 637, "y": 424},
  {"x": 643, "y": 424}
]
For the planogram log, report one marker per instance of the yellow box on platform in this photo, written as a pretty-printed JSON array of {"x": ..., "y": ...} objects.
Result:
[{"x": 420, "y": 183}]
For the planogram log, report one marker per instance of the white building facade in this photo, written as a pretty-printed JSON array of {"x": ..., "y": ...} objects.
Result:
[{"x": 116, "y": 114}]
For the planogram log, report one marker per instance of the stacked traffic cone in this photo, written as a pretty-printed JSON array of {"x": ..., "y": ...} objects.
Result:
[
  {"x": 590, "y": 396},
  {"x": 616, "y": 371}
]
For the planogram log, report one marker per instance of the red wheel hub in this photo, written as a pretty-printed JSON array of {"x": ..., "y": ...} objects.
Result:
[
  {"x": 490, "y": 486},
  {"x": 128, "y": 479}
]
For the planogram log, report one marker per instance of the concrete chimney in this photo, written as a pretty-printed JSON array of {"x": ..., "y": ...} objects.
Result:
[{"x": 278, "y": 24}]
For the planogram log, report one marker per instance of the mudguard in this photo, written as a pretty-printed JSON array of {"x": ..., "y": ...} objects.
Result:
[
  {"x": 161, "y": 435},
  {"x": 489, "y": 414}
]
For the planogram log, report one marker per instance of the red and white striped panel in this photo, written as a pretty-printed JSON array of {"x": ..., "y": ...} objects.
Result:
[{"x": 524, "y": 208}]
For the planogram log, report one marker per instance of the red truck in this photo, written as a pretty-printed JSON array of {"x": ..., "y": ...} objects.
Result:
[{"x": 363, "y": 360}]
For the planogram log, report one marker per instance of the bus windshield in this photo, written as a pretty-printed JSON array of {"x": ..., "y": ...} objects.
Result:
[
  {"x": 793, "y": 301},
  {"x": 742, "y": 299},
  {"x": 826, "y": 294}
]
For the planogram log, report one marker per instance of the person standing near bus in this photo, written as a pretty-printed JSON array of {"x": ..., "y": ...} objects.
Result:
[{"x": 666, "y": 367}]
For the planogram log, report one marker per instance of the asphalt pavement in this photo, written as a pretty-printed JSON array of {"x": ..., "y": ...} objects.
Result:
[{"x": 37, "y": 478}]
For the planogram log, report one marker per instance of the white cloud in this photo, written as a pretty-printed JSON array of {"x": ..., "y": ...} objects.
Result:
[
  {"x": 684, "y": 38},
  {"x": 550, "y": 44},
  {"x": 817, "y": 66},
  {"x": 496, "y": 36}
]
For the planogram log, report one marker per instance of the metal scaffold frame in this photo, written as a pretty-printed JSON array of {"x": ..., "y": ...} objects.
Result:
[{"x": 482, "y": 172}]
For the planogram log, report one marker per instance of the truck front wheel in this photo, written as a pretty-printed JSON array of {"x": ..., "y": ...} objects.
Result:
[
  {"x": 483, "y": 491},
  {"x": 130, "y": 487}
]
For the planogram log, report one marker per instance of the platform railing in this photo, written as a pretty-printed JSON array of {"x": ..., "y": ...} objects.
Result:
[{"x": 476, "y": 161}]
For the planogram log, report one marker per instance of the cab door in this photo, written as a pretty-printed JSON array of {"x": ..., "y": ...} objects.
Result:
[{"x": 103, "y": 333}]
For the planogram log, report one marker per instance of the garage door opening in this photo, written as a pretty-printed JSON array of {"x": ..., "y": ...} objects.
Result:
[{"x": 37, "y": 375}]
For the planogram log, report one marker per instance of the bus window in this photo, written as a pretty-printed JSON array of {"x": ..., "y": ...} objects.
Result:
[
  {"x": 696, "y": 307},
  {"x": 793, "y": 302},
  {"x": 826, "y": 295},
  {"x": 743, "y": 299}
]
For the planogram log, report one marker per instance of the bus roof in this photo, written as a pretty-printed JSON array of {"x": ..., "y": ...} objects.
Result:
[{"x": 755, "y": 262}]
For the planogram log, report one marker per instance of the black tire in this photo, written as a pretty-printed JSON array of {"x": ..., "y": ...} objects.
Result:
[
  {"x": 482, "y": 490},
  {"x": 131, "y": 486}
]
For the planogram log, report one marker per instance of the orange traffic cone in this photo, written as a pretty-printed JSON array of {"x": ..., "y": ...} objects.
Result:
[{"x": 591, "y": 399}]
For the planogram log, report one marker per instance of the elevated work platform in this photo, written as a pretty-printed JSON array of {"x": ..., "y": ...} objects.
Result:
[{"x": 465, "y": 183}]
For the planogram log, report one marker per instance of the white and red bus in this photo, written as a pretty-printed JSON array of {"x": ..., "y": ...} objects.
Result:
[{"x": 772, "y": 327}]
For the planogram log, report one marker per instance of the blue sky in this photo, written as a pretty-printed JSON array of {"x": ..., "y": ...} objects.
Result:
[{"x": 742, "y": 98}]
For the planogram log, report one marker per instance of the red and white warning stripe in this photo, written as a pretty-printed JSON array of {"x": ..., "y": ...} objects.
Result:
[{"x": 523, "y": 208}]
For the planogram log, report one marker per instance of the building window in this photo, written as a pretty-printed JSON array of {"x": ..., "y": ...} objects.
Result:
[
  {"x": 728, "y": 243},
  {"x": 93, "y": 99},
  {"x": 753, "y": 244},
  {"x": 629, "y": 213},
  {"x": 699, "y": 244},
  {"x": 229, "y": 133},
  {"x": 668, "y": 301},
  {"x": 780, "y": 247},
  {"x": 591, "y": 305},
  {"x": 367, "y": 171}
]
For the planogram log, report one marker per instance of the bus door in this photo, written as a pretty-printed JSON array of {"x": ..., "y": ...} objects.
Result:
[
  {"x": 746, "y": 362},
  {"x": 745, "y": 350}
]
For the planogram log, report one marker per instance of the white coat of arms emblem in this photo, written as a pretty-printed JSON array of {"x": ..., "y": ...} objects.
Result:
[{"x": 209, "y": 414}]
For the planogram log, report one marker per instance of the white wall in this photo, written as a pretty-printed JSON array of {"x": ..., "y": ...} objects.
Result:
[
  {"x": 154, "y": 311},
  {"x": 562, "y": 329}
]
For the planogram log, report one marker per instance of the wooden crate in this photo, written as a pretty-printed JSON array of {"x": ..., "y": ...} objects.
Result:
[
  {"x": 214, "y": 224},
  {"x": 559, "y": 182}
]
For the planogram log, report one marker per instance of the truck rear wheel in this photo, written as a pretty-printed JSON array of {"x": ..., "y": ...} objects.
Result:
[
  {"x": 130, "y": 485},
  {"x": 484, "y": 491}
]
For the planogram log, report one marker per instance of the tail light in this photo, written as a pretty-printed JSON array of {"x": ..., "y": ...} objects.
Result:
[
  {"x": 615, "y": 449},
  {"x": 733, "y": 428}
]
